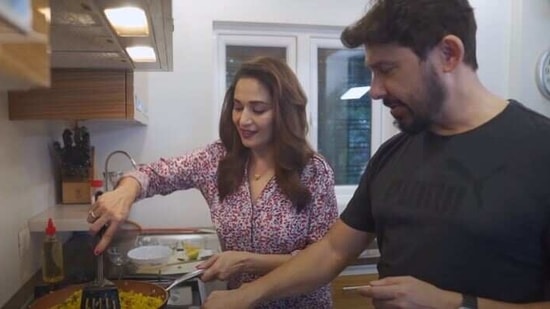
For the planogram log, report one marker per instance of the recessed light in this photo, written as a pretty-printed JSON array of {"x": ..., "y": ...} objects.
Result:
[
  {"x": 46, "y": 12},
  {"x": 128, "y": 21},
  {"x": 142, "y": 53},
  {"x": 355, "y": 93}
]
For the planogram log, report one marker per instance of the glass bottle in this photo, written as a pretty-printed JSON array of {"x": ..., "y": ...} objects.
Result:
[{"x": 52, "y": 256}]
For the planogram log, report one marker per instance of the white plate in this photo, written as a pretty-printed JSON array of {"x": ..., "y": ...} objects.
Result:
[
  {"x": 178, "y": 263},
  {"x": 150, "y": 255}
]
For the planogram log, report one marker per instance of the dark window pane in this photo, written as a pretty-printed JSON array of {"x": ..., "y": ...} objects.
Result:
[
  {"x": 236, "y": 55},
  {"x": 344, "y": 134}
]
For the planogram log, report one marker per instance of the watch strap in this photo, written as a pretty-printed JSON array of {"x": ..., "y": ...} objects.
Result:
[{"x": 468, "y": 302}]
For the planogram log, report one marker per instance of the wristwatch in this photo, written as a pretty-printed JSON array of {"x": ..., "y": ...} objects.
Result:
[{"x": 468, "y": 302}]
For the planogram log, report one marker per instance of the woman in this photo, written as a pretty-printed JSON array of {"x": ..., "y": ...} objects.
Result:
[{"x": 270, "y": 195}]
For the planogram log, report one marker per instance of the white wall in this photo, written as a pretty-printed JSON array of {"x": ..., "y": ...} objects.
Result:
[
  {"x": 530, "y": 36},
  {"x": 181, "y": 103},
  {"x": 493, "y": 42},
  {"x": 26, "y": 187}
]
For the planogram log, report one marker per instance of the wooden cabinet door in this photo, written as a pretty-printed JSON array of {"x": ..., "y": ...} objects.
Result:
[
  {"x": 351, "y": 299},
  {"x": 78, "y": 95},
  {"x": 24, "y": 53}
]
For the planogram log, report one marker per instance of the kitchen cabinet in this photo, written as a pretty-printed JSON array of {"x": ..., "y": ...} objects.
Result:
[
  {"x": 24, "y": 45},
  {"x": 351, "y": 299},
  {"x": 82, "y": 94}
]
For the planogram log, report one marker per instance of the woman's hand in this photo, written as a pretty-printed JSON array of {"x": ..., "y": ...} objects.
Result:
[
  {"x": 241, "y": 298},
  {"x": 112, "y": 208},
  {"x": 224, "y": 265}
]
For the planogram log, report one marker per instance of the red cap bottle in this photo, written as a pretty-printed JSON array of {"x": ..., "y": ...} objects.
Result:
[
  {"x": 52, "y": 256},
  {"x": 50, "y": 229}
]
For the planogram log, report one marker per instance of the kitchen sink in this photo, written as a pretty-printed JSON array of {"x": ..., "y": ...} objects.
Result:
[
  {"x": 177, "y": 241},
  {"x": 195, "y": 288}
]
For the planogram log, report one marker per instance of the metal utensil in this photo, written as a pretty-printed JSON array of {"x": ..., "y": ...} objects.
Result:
[
  {"x": 355, "y": 287},
  {"x": 101, "y": 293},
  {"x": 185, "y": 277}
]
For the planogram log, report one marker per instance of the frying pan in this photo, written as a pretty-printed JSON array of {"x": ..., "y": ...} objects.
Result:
[{"x": 145, "y": 288}]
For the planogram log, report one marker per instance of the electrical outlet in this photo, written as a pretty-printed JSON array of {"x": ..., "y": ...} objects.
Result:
[
  {"x": 26, "y": 256},
  {"x": 24, "y": 242}
]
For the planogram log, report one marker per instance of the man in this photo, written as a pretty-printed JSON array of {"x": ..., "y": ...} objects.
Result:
[{"x": 458, "y": 201}]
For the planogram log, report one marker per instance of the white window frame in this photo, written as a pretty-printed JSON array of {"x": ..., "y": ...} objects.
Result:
[
  {"x": 301, "y": 43},
  {"x": 249, "y": 38}
]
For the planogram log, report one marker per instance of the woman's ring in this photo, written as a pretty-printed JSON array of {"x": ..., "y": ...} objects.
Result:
[{"x": 92, "y": 214}]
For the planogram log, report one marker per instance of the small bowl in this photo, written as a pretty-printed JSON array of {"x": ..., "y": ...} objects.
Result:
[{"x": 150, "y": 255}]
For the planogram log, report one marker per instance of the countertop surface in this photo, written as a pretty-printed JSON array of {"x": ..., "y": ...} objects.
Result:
[
  {"x": 66, "y": 217},
  {"x": 72, "y": 218}
]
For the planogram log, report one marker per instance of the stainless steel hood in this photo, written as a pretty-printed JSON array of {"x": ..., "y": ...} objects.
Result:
[{"x": 81, "y": 36}]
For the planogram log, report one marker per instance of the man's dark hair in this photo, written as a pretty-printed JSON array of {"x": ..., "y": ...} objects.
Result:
[{"x": 417, "y": 24}]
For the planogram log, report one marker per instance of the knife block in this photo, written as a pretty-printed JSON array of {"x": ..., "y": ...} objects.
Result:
[
  {"x": 77, "y": 189},
  {"x": 75, "y": 192}
]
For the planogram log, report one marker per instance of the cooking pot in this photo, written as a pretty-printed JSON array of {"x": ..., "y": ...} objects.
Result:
[{"x": 58, "y": 297}]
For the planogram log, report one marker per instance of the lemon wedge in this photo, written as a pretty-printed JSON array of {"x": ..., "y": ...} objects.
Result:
[{"x": 192, "y": 254}]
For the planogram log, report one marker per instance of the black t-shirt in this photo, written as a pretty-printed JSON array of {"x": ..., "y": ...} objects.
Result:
[{"x": 469, "y": 212}]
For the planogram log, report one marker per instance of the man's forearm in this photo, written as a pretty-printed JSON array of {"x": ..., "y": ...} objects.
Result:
[
  {"x": 315, "y": 266},
  {"x": 305, "y": 272},
  {"x": 261, "y": 264}
]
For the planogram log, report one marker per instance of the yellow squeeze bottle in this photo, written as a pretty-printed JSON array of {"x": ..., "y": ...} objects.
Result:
[{"x": 52, "y": 256}]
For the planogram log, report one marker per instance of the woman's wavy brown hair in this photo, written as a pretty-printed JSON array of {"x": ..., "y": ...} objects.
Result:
[{"x": 292, "y": 151}]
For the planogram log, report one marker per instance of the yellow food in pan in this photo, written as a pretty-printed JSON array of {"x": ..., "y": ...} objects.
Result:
[{"x": 128, "y": 300}]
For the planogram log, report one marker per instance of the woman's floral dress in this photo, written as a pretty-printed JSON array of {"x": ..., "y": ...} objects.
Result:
[{"x": 270, "y": 225}]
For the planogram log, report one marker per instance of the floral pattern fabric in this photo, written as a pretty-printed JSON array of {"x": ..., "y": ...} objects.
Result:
[{"x": 270, "y": 225}]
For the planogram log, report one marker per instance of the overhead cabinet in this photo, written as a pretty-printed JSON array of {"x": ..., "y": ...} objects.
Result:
[
  {"x": 82, "y": 37},
  {"x": 82, "y": 95}
]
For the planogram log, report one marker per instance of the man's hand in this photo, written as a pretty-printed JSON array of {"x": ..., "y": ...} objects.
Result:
[{"x": 409, "y": 293}]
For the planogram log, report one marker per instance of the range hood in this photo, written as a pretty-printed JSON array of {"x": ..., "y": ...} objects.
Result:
[{"x": 82, "y": 37}]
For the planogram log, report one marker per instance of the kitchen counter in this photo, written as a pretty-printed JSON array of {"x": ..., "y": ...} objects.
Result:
[
  {"x": 72, "y": 218},
  {"x": 66, "y": 217}
]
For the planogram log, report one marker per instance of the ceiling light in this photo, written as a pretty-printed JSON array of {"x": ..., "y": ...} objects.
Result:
[
  {"x": 141, "y": 53},
  {"x": 355, "y": 93},
  {"x": 128, "y": 21},
  {"x": 46, "y": 12}
]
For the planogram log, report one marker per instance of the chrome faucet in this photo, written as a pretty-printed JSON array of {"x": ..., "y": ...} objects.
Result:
[{"x": 115, "y": 176}]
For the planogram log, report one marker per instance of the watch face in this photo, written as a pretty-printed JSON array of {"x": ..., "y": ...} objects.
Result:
[{"x": 543, "y": 74}]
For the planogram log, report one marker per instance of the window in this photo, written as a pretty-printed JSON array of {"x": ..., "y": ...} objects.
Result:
[
  {"x": 345, "y": 127},
  {"x": 344, "y": 136},
  {"x": 235, "y": 55}
]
